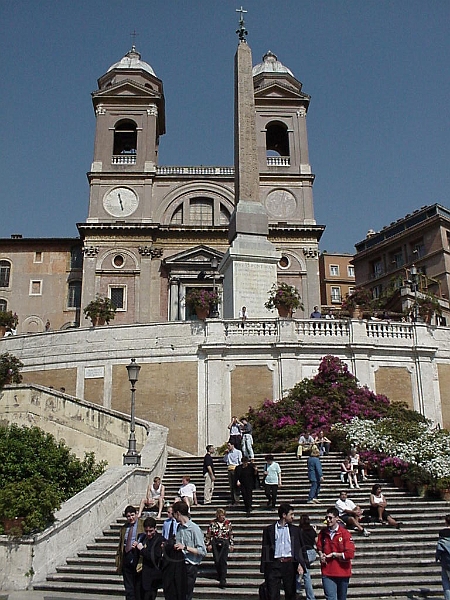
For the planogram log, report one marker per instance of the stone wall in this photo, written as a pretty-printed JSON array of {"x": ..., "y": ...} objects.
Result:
[{"x": 195, "y": 375}]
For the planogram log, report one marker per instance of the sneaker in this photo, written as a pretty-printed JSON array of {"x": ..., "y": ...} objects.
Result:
[
  {"x": 316, "y": 500},
  {"x": 352, "y": 486},
  {"x": 366, "y": 532},
  {"x": 357, "y": 486},
  {"x": 310, "y": 502}
]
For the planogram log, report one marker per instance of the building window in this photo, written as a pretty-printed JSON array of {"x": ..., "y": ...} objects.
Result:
[
  {"x": 125, "y": 142},
  {"x": 118, "y": 297},
  {"x": 284, "y": 262},
  {"x": 336, "y": 296},
  {"x": 76, "y": 257},
  {"x": 418, "y": 250},
  {"x": 351, "y": 290},
  {"x": 3, "y": 305},
  {"x": 350, "y": 271},
  {"x": 201, "y": 211},
  {"x": 277, "y": 139},
  {"x": 35, "y": 287},
  {"x": 177, "y": 217},
  {"x": 74, "y": 295},
  {"x": 38, "y": 257},
  {"x": 5, "y": 272},
  {"x": 377, "y": 291},
  {"x": 118, "y": 261},
  {"x": 377, "y": 268},
  {"x": 397, "y": 259},
  {"x": 334, "y": 270}
]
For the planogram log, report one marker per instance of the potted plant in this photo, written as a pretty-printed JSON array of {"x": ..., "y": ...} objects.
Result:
[
  {"x": 357, "y": 302},
  {"x": 285, "y": 298},
  {"x": 395, "y": 469},
  {"x": 417, "y": 480},
  {"x": 8, "y": 320},
  {"x": 425, "y": 307},
  {"x": 100, "y": 311},
  {"x": 10, "y": 367},
  {"x": 443, "y": 487},
  {"x": 202, "y": 300}
]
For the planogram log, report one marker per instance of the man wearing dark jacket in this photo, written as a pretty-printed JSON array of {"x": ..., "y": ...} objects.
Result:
[
  {"x": 149, "y": 547},
  {"x": 281, "y": 555},
  {"x": 127, "y": 555}
]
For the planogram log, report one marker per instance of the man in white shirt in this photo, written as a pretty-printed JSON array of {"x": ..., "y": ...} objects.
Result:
[
  {"x": 233, "y": 458},
  {"x": 350, "y": 513},
  {"x": 188, "y": 491}
]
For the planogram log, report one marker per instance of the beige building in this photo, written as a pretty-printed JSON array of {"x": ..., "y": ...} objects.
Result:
[
  {"x": 152, "y": 232},
  {"x": 337, "y": 280}
]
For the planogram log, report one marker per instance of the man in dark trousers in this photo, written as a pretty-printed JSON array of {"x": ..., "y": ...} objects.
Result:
[
  {"x": 208, "y": 474},
  {"x": 127, "y": 555},
  {"x": 150, "y": 550},
  {"x": 281, "y": 555}
]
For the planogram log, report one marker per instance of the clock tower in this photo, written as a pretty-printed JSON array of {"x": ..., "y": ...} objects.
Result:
[{"x": 129, "y": 110}]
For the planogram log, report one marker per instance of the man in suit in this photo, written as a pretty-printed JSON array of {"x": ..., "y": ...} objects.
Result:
[
  {"x": 127, "y": 555},
  {"x": 281, "y": 555},
  {"x": 150, "y": 549}
]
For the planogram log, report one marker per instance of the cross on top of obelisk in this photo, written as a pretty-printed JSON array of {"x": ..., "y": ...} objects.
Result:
[{"x": 242, "y": 32}]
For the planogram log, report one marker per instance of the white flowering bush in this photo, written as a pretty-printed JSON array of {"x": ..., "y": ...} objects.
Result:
[{"x": 416, "y": 443}]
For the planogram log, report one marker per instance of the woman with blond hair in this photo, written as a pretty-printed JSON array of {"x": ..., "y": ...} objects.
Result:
[{"x": 219, "y": 540}]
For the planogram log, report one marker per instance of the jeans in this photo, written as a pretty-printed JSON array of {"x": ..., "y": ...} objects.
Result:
[
  {"x": 271, "y": 491},
  {"x": 304, "y": 581},
  {"x": 314, "y": 490},
  {"x": 446, "y": 582},
  {"x": 335, "y": 588},
  {"x": 247, "y": 445}
]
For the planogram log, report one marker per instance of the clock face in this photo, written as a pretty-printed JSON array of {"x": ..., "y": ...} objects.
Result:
[
  {"x": 120, "y": 202},
  {"x": 281, "y": 204}
]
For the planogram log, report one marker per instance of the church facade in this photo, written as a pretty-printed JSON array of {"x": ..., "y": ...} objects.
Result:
[{"x": 153, "y": 232}]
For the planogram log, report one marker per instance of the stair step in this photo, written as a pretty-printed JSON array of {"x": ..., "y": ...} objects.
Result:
[{"x": 389, "y": 564}]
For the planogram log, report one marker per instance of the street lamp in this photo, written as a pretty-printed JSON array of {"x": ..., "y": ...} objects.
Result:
[
  {"x": 413, "y": 273},
  {"x": 132, "y": 457},
  {"x": 214, "y": 265}
]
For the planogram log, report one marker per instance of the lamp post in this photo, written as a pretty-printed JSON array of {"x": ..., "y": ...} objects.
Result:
[
  {"x": 132, "y": 457},
  {"x": 413, "y": 274},
  {"x": 214, "y": 265}
]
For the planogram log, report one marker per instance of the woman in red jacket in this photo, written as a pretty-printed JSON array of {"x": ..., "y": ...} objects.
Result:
[{"x": 336, "y": 549}]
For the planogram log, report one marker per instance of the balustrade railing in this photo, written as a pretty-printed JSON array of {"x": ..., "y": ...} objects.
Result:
[
  {"x": 249, "y": 328},
  {"x": 378, "y": 329},
  {"x": 199, "y": 170},
  {"x": 315, "y": 327},
  {"x": 278, "y": 161},
  {"x": 124, "y": 159}
]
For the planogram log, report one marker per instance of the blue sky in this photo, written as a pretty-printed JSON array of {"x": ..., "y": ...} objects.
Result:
[{"x": 377, "y": 71}]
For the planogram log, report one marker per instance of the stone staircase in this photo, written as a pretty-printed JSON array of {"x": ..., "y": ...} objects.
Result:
[{"x": 389, "y": 564}]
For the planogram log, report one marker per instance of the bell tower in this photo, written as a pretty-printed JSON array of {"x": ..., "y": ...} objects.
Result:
[
  {"x": 130, "y": 118},
  {"x": 282, "y": 143}
]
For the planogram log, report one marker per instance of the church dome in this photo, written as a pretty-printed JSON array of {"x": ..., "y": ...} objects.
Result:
[
  {"x": 270, "y": 64},
  {"x": 132, "y": 60}
]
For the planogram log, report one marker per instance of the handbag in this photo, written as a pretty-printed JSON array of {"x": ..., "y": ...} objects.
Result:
[{"x": 312, "y": 555}]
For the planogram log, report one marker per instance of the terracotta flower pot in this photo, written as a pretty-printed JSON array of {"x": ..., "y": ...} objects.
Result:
[
  {"x": 2, "y": 330},
  {"x": 284, "y": 311},
  {"x": 201, "y": 313},
  {"x": 445, "y": 495},
  {"x": 398, "y": 481},
  {"x": 14, "y": 526}
]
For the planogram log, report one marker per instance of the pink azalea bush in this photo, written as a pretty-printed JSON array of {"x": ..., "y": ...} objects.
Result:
[{"x": 332, "y": 396}]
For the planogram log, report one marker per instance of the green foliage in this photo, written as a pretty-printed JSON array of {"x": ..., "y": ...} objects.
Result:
[
  {"x": 283, "y": 294},
  {"x": 101, "y": 309},
  {"x": 9, "y": 369},
  {"x": 8, "y": 319},
  {"x": 37, "y": 473}
]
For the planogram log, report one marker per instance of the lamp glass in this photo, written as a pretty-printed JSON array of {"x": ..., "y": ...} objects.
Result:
[{"x": 133, "y": 371}]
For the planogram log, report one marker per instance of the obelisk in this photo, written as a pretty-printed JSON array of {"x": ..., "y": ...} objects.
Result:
[{"x": 250, "y": 264}]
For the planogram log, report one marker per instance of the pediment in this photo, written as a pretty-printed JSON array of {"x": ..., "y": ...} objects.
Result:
[
  {"x": 127, "y": 88},
  {"x": 276, "y": 90},
  {"x": 198, "y": 258}
]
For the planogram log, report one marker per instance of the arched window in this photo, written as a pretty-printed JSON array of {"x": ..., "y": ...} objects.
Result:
[
  {"x": 277, "y": 139},
  {"x": 125, "y": 142},
  {"x": 5, "y": 272},
  {"x": 3, "y": 305},
  {"x": 74, "y": 295}
]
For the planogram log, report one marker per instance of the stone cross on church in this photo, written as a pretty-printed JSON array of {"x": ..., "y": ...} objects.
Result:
[{"x": 250, "y": 264}]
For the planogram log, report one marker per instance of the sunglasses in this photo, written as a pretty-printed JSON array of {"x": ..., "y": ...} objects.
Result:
[{"x": 328, "y": 517}]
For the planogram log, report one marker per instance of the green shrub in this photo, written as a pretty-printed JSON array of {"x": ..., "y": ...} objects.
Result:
[{"x": 38, "y": 473}]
